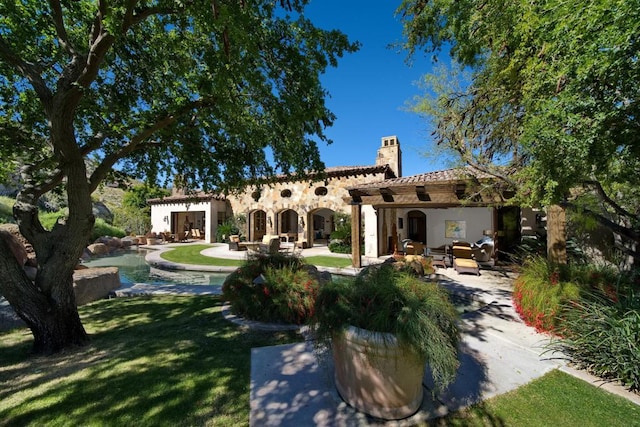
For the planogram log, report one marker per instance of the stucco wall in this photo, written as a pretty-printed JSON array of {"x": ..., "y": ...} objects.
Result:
[{"x": 476, "y": 220}]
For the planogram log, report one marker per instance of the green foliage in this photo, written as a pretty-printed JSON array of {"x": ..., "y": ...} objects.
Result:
[
  {"x": 272, "y": 288},
  {"x": 550, "y": 97},
  {"x": 540, "y": 292},
  {"x": 136, "y": 197},
  {"x": 221, "y": 93},
  {"x": 226, "y": 229},
  {"x": 48, "y": 219},
  {"x": 341, "y": 236},
  {"x": 196, "y": 371},
  {"x": 137, "y": 221},
  {"x": 342, "y": 230},
  {"x": 594, "y": 310},
  {"x": 134, "y": 214},
  {"x": 601, "y": 333},
  {"x": 340, "y": 247},
  {"x": 6, "y": 209},
  {"x": 382, "y": 299},
  {"x": 101, "y": 228}
]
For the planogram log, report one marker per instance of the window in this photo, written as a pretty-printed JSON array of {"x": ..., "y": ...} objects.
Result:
[{"x": 321, "y": 191}]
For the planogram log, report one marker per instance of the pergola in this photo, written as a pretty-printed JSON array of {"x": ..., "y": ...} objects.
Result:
[{"x": 441, "y": 189}]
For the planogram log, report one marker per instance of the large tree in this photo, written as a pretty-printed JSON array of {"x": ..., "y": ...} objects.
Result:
[
  {"x": 552, "y": 98},
  {"x": 215, "y": 91}
]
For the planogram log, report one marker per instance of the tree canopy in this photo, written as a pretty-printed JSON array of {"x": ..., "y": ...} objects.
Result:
[
  {"x": 551, "y": 98},
  {"x": 218, "y": 92}
]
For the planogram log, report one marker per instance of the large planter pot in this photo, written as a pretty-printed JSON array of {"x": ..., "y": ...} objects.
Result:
[{"x": 377, "y": 376}]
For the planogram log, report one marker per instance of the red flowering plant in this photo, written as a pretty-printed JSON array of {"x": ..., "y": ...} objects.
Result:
[
  {"x": 273, "y": 288},
  {"x": 541, "y": 291}
]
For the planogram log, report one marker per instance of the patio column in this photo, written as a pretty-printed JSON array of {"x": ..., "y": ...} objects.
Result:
[{"x": 356, "y": 256}]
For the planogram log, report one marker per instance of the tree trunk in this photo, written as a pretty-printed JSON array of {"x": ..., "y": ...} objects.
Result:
[
  {"x": 53, "y": 319},
  {"x": 556, "y": 235}
]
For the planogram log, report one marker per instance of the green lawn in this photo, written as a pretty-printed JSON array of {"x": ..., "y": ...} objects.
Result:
[
  {"x": 328, "y": 261},
  {"x": 174, "y": 360},
  {"x": 190, "y": 254},
  {"x": 556, "y": 399},
  {"x": 152, "y": 361}
]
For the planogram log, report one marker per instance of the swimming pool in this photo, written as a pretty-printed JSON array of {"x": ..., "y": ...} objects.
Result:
[{"x": 134, "y": 269}]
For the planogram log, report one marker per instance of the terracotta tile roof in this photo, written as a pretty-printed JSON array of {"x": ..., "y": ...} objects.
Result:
[
  {"x": 446, "y": 175},
  {"x": 338, "y": 171},
  {"x": 199, "y": 196},
  {"x": 331, "y": 172}
]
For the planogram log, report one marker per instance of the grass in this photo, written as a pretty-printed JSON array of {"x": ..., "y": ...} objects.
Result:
[
  {"x": 190, "y": 254},
  {"x": 328, "y": 261},
  {"x": 556, "y": 399},
  {"x": 152, "y": 361},
  {"x": 173, "y": 360}
]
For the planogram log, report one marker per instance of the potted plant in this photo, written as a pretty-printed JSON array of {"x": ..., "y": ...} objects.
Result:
[{"x": 384, "y": 327}]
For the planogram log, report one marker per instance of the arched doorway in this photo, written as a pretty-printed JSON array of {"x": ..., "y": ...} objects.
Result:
[
  {"x": 322, "y": 224},
  {"x": 288, "y": 224},
  {"x": 257, "y": 225},
  {"x": 417, "y": 226}
]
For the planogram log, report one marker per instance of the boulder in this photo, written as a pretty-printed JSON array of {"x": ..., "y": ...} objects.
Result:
[
  {"x": 98, "y": 249},
  {"x": 91, "y": 284},
  {"x": 100, "y": 210}
]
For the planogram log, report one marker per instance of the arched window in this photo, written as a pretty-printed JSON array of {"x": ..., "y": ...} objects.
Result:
[{"x": 285, "y": 193}]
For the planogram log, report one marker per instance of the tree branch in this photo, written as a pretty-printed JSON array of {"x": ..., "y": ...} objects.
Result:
[
  {"x": 58, "y": 21},
  {"x": 30, "y": 71},
  {"x": 626, "y": 232},
  {"x": 616, "y": 207},
  {"x": 137, "y": 141}
]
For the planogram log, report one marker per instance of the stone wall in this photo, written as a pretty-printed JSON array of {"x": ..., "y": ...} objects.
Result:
[{"x": 304, "y": 198}]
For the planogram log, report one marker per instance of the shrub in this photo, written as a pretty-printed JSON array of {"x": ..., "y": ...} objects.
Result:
[
  {"x": 603, "y": 336},
  {"x": 340, "y": 247},
  {"x": 540, "y": 291},
  {"x": 101, "y": 228},
  {"x": 226, "y": 229},
  {"x": 383, "y": 299},
  {"x": 273, "y": 288}
]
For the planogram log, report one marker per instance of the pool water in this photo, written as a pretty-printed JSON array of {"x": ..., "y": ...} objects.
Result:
[{"x": 134, "y": 269}]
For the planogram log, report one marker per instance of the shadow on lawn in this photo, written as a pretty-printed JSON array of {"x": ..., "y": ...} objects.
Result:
[{"x": 151, "y": 361}]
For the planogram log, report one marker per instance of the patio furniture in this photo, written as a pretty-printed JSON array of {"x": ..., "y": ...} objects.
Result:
[
  {"x": 483, "y": 253},
  {"x": 270, "y": 244},
  {"x": 440, "y": 256},
  {"x": 415, "y": 248},
  {"x": 235, "y": 244},
  {"x": 463, "y": 261}
]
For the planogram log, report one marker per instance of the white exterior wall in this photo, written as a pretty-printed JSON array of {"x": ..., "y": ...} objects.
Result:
[
  {"x": 370, "y": 218},
  {"x": 477, "y": 220},
  {"x": 161, "y": 217}
]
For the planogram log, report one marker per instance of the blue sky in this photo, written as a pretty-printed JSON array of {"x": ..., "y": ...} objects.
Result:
[{"x": 370, "y": 89}]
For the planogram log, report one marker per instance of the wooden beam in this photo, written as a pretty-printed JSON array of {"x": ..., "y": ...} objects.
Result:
[{"x": 356, "y": 237}]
